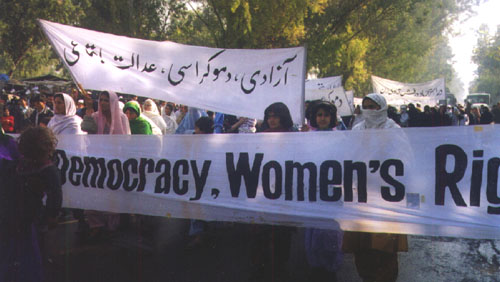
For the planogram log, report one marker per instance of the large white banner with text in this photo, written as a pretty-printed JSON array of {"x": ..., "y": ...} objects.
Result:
[
  {"x": 399, "y": 93},
  {"x": 428, "y": 181},
  {"x": 242, "y": 82}
]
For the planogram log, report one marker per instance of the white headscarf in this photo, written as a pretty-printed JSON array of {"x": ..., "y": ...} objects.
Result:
[
  {"x": 154, "y": 108},
  {"x": 154, "y": 115},
  {"x": 376, "y": 119},
  {"x": 69, "y": 123}
]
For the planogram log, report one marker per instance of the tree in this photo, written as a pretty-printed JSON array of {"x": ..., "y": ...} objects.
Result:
[
  {"x": 254, "y": 23},
  {"x": 487, "y": 57},
  {"x": 24, "y": 50},
  {"x": 401, "y": 40},
  {"x": 146, "y": 19}
]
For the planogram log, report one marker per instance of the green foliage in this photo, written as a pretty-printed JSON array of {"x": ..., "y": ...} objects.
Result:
[
  {"x": 24, "y": 50},
  {"x": 135, "y": 18},
  {"x": 399, "y": 39},
  {"x": 255, "y": 23},
  {"x": 487, "y": 57}
]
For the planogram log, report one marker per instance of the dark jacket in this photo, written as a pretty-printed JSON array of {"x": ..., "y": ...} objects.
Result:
[{"x": 43, "y": 115}]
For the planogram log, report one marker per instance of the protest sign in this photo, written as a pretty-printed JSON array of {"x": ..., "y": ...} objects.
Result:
[
  {"x": 233, "y": 81},
  {"x": 336, "y": 96},
  {"x": 350, "y": 99},
  {"x": 399, "y": 93},
  {"x": 426, "y": 181},
  {"x": 324, "y": 83}
]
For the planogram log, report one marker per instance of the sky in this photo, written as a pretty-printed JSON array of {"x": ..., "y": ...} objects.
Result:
[{"x": 463, "y": 43}]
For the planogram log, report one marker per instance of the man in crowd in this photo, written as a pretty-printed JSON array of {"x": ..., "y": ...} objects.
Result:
[{"x": 42, "y": 112}]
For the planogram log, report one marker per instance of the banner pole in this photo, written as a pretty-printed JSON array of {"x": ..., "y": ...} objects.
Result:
[
  {"x": 350, "y": 108},
  {"x": 303, "y": 87}
]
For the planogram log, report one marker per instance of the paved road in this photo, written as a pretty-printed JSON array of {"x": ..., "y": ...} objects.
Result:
[{"x": 159, "y": 253}]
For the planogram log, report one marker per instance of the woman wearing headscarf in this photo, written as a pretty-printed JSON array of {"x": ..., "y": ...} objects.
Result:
[
  {"x": 151, "y": 111},
  {"x": 188, "y": 122},
  {"x": 168, "y": 116},
  {"x": 323, "y": 247},
  {"x": 374, "y": 111},
  {"x": 322, "y": 117},
  {"x": 276, "y": 238},
  {"x": 375, "y": 254},
  {"x": 65, "y": 120},
  {"x": 277, "y": 118},
  {"x": 138, "y": 125},
  {"x": 109, "y": 118}
]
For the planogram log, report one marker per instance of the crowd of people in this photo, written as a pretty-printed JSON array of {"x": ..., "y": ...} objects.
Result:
[{"x": 41, "y": 118}]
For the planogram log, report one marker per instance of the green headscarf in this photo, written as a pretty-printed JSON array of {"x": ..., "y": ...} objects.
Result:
[{"x": 138, "y": 125}]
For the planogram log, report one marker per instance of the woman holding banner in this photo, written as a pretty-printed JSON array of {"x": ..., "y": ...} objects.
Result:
[
  {"x": 323, "y": 247},
  {"x": 375, "y": 254},
  {"x": 278, "y": 239},
  {"x": 65, "y": 120},
  {"x": 109, "y": 119}
]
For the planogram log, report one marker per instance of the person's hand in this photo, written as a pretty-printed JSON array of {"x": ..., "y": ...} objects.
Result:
[{"x": 305, "y": 128}]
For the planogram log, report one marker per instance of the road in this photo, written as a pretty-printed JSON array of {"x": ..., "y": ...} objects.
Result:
[{"x": 158, "y": 253}]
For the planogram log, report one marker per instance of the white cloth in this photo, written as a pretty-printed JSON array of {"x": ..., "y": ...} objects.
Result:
[
  {"x": 376, "y": 119},
  {"x": 69, "y": 123},
  {"x": 154, "y": 115},
  {"x": 171, "y": 124}
]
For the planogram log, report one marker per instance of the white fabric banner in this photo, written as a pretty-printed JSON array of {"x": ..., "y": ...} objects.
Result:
[
  {"x": 427, "y": 181},
  {"x": 242, "y": 82},
  {"x": 324, "y": 83},
  {"x": 350, "y": 99},
  {"x": 337, "y": 96},
  {"x": 399, "y": 93}
]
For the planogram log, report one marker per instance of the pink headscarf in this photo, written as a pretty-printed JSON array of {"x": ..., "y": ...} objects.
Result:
[{"x": 119, "y": 121}]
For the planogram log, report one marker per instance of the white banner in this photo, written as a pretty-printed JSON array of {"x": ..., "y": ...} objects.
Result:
[
  {"x": 240, "y": 82},
  {"x": 337, "y": 96},
  {"x": 427, "y": 181},
  {"x": 350, "y": 99},
  {"x": 324, "y": 83},
  {"x": 399, "y": 93}
]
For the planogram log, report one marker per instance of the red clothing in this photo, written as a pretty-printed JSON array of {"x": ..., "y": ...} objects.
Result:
[{"x": 7, "y": 124}]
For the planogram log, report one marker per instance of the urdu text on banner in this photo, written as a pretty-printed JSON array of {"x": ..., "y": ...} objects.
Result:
[
  {"x": 342, "y": 100},
  {"x": 399, "y": 93},
  {"x": 242, "y": 82},
  {"x": 324, "y": 83},
  {"x": 426, "y": 181}
]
